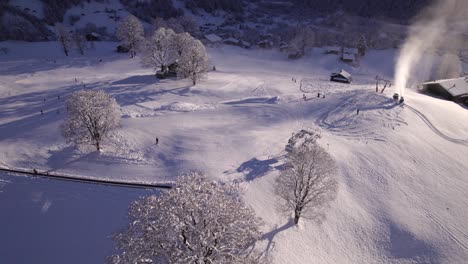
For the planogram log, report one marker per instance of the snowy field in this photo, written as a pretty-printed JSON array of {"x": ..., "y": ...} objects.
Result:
[{"x": 402, "y": 169}]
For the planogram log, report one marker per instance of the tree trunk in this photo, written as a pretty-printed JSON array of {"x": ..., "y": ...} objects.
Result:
[
  {"x": 98, "y": 146},
  {"x": 65, "y": 48},
  {"x": 296, "y": 218},
  {"x": 297, "y": 215}
]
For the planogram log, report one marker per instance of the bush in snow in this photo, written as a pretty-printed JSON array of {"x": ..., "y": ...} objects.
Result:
[
  {"x": 130, "y": 32},
  {"x": 197, "y": 221},
  {"x": 91, "y": 116},
  {"x": 64, "y": 38},
  {"x": 193, "y": 62},
  {"x": 307, "y": 184}
]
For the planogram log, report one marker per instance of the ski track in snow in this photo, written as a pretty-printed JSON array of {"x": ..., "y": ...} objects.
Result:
[
  {"x": 448, "y": 229},
  {"x": 435, "y": 129},
  {"x": 344, "y": 120}
]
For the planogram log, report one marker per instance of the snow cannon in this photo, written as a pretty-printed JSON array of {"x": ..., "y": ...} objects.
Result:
[{"x": 402, "y": 100}]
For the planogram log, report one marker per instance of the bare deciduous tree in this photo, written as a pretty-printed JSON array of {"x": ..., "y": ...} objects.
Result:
[
  {"x": 197, "y": 221},
  {"x": 130, "y": 32},
  {"x": 307, "y": 184},
  {"x": 91, "y": 116},
  {"x": 64, "y": 38},
  {"x": 194, "y": 62}
]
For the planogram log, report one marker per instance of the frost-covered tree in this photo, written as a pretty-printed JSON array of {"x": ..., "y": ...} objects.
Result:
[
  {"x": 80, "y": 42},
  {"x": 158, "y": 51},
  {"x": 64, "y": 38},
  {"x": 181, "y": 42},
  {"x": 197, "y": 221},
  {"x": 190, "y": 25},
  {"x": 130, "y": 32},
  {"x": 362, "y": 46},
  {"x": 307, "y": 184},
  {"x": 303, "y": 39},
  {"x": 91, "y": 116},
  {"x": 193, "y": 62}
]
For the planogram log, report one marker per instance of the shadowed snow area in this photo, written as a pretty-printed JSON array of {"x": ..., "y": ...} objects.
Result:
[
  {"x": 49, "y": 221},
  {"x": 402, "y": 168}
]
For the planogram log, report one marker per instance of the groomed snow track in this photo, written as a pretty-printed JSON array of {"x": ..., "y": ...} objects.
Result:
[
  {"x": 435, "y": 129},
  {"x": 86, "y": 180}
]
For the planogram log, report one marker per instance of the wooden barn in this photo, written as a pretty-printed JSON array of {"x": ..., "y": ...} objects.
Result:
[
  {"x": 341, "y": 76},
  {"x": 451, "y": 89}
]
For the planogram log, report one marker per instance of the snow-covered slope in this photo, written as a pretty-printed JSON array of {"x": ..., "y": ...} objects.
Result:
[
  {"x": 402, "y": 169},
  {"x": 105, "y": 14}
]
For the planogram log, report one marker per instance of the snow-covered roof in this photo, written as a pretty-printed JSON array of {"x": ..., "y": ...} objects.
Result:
[
  {"x": 455, "y": 87},
  {"x": 351, "y": 57},
  {"x": 232, "y": 40},
  {"x": 342, "y": 73},
  {"x": 336, "y": 49},
  {"x": 245, "y": 43},
  {"x": 213, "y": 37},
  {"x": 350, "y": 51}
]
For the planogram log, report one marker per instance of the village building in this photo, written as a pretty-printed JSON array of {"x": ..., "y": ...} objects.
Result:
[
  {"x": 213, "y": 38},
  {"x": 333, "y": 50},
  {"x": 455, "y": 89},
  {"x": 341, "y": 76},
  {"x": 349, "y": 54}
]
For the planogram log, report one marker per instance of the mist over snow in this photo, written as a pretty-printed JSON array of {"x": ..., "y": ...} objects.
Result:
[{"x": 437, "y": 29}]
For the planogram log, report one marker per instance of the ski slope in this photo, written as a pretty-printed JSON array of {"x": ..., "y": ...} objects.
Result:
[{"x": 402, "y": 168}]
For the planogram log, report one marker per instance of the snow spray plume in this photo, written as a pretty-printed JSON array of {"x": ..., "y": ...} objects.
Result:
[{"x": 436, "y": 28}]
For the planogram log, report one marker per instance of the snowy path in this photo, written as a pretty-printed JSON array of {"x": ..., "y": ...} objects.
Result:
[{"x": 83, "y": 179}]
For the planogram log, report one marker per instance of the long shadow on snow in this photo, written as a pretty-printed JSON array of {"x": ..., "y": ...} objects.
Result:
[
  {"x": 270, "y": 236},
  {"x": 258, "y": 168},
  {"x": 37, "y": 65},
  {"x": 30, "y": 106},
  {"x": 128, "y": 91},
  {"x": 404, "y": 245}
]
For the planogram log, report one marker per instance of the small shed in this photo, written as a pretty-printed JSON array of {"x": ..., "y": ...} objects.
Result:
[
  {"x": 93, "y": 36},
  {"x": 333, "y": 50},
  {"x": 245, "y": 44},
  {"x": 350, "y": 51},
  {"x": 232, "y": 41},
  {"x": 265, "y": 44},
  {"x": 455, "y": 89},
  {"x": 213, "y": 38},
  {"x": 341, "y": 76},
  {"x": 346, "y": 57}
]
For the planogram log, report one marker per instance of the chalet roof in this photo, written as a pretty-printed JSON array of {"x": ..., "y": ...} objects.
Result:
[
  {"x": 245, "y": 43},
  {"x": 342, "y": 73},
  {"x": 455, "y": 87},
  {"x": 334, "y": 48},
  {"x": 213, "y": 37},
  {"x": 350, "y": 51},
  {"x": 350, "y": 57},
  {"x": 232, "y": 40}
]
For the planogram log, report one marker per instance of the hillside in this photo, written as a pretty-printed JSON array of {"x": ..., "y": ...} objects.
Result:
[{"x": 402, "y": 168}]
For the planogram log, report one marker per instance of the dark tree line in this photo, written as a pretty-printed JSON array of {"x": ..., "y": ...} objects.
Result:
[
  {"x": 396, "y": 9},
  {"x": 16, "y": 24},
  {"x": 212, "y": 5},
  {"x": 147, "y": 10}
]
